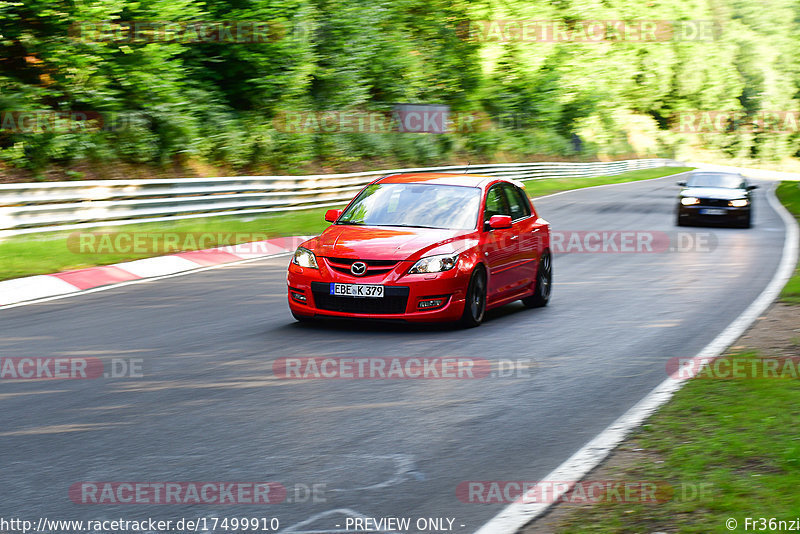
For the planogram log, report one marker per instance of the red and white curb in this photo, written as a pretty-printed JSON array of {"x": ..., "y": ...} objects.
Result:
[{"x": 46, "y": 286}]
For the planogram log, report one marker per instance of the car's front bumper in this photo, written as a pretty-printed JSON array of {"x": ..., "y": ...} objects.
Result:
[
  {"x": 729, "y": 216},
  {"x": 401, "y": 299}
]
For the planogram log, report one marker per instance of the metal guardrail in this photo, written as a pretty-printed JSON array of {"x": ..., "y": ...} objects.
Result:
[{"x": 51, "y": 206}]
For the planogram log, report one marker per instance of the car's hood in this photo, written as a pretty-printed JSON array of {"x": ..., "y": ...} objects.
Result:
[
  {"x": 388, "y": 242},
  {"x": 723, "y": 193}
]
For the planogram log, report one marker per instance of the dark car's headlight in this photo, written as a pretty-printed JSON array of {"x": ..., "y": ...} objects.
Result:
[
  {"x": 738, "y": 203},
  {"x": 434, "y": 264},
  {"x": 690, "y": 201},
  {"x": 305, "y": 258}
]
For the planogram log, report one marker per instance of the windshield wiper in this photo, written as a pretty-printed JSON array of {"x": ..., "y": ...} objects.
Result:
[{"x": 350, "y": 223}]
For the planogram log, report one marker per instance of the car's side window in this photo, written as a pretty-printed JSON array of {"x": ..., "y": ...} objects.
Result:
[
  {"x": 516, "y": 202},
  {"x": 496, "y": 203},
  {"x": 526, "y": 202}
]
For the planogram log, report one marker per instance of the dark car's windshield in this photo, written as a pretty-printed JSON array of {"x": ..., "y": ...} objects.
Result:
[
  {"x": 729, "y": 181},
  {"x": 418, "y": 205}
]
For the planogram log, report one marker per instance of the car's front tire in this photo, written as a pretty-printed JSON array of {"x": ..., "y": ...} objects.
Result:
[
  {"x": 302, "y": 318},
  {"x": 475, "y": 299},
  {"x": 747, "y": 223},
  {"x": 544, "y": 283}
]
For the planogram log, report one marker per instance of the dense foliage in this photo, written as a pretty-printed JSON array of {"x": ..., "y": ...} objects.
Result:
[{"x": 217, "y": 102}]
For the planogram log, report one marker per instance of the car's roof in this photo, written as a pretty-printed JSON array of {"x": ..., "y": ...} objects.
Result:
[
  {"x": 441, "y": 178},
  {"x": 717, "y": 173}
]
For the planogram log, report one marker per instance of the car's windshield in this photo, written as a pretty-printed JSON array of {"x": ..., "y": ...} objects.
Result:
[
  {"x": 730, "y": 181},
  {"x": 418, "y": 205}
]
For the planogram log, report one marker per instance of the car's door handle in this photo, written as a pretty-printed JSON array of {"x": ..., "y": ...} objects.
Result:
[{"x": 514, "y": 237}]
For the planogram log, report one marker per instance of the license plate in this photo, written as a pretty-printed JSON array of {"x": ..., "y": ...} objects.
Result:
[
  {"x": 712, "y": 211},
  {"x": 357, "y": 290}
]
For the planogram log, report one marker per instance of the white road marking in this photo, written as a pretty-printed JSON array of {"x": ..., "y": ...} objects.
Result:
[{"x": 404, "y": 470}]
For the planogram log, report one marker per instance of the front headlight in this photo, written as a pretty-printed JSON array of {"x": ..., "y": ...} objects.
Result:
[
  {"x": 434, "y": 264},
  {"x": 305, "y": 258},
  {"x": 738, "y": 203},
  {"x": 690, "y": 201}
]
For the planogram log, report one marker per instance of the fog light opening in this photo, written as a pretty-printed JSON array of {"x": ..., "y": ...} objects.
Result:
[
  {"x": 298, "y": 296},
  {"x": 428, "y": 304}
]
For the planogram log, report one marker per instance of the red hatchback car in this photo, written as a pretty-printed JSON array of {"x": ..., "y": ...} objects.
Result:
[{"x": 425, "y": 247}]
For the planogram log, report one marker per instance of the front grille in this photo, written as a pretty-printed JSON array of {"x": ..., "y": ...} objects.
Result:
[
  {"x": 374, "y": 267},
  {"x": 713, "y": 202},
  {"x": 394, "y": 300},
  {"x": 371, "y": 263}
]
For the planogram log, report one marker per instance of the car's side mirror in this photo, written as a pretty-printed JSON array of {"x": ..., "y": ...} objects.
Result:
[
  {"x": 498, "y": 222},
  {"x": 751, "y": 187},
  {"x": 332, "y": 215},
  {"x": 682, "y": 183}
]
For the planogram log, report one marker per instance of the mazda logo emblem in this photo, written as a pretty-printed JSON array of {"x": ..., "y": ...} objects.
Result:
[{"x": 358, "y": 268}]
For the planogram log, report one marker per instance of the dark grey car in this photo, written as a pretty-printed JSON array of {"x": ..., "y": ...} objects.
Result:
[{"x": 715, "y": 198}]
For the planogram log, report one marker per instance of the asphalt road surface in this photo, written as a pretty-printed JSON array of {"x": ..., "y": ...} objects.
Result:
[{"x": 209, "y": 408}]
